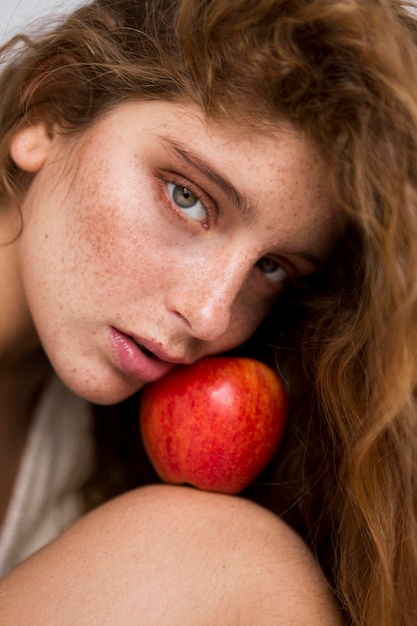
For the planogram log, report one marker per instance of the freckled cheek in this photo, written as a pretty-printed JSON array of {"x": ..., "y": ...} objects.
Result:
[
  {"x": 92, "y": 247},
  {"x": 247, "y": 317},
  {"x": 120, "y": 250},
  {"x": 102, "y": 228},
  {"x": 98, "y": 228}
]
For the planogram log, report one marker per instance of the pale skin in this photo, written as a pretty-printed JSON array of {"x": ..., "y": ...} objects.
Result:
[
  {"x": 171, "y": 555},
  {"x": 180, "y": 232}
]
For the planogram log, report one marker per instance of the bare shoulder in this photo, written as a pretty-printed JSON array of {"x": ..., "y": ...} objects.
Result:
[{"x": 170, "y": 555}]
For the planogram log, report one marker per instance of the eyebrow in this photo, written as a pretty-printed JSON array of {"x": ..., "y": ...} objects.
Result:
[
  {"x": 247, "y": 209},
  {"x": 315, "y": 261}
]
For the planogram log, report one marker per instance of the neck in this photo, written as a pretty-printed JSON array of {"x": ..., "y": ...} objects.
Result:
[
  {"x": 20, "y": 386},
  {"x": 23, "y": 366}
]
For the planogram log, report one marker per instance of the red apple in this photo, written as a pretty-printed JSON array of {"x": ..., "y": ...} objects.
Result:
[{"x": 214, "y": 424}]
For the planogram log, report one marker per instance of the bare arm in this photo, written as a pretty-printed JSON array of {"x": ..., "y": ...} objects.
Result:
[{"x": 170, "y": 555}]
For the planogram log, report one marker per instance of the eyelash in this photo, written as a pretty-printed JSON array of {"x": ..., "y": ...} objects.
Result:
[
  {"x": 280, "y": 267},
  {"x": 207, "y": 203},
  {"x": 211, "y": 209}
]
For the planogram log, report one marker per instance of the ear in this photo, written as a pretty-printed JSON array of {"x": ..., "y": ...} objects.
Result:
[{"x": 30, "y": 146}]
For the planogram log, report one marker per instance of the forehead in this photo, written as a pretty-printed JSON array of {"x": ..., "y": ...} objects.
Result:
[
  {"x": 254, "y": 153},
  {"x": 276, "y": 175},
  {"x": 276, "y": 167}
]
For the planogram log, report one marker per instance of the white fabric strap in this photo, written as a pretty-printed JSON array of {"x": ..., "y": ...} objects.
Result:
[{"x": 57, "y": 460}]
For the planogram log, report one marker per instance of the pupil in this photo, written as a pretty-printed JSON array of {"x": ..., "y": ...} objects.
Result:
[
  {"x": 267, "y": 265},
  {"x": 183, "y": 197}
]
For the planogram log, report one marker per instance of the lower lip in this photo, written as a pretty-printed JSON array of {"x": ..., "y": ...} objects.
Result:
[{"x": 133, "y": 362}]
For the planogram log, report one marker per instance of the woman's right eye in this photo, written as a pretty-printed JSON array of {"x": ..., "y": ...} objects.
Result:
[{"x": 187, "y": 202}]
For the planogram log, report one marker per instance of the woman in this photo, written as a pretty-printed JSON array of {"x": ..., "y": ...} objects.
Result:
[{"x": 179, "y": 178}]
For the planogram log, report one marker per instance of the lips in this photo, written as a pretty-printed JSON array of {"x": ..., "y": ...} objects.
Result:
[
  {"x": 145, "y": 351},
  {"x": 139, "y": 359}
]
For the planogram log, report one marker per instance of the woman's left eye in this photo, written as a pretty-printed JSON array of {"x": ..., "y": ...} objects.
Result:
[
  {"x": 187, "y": 202},
  {"x": 272, "y": 269}
]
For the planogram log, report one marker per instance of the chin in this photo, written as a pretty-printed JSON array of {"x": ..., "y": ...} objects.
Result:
[{"x": 109, "y": 390}]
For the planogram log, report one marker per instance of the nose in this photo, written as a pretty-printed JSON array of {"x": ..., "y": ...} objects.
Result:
[{"x": 205, "y": 299}]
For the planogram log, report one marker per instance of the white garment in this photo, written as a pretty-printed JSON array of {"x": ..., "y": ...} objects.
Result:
[{"x": 57, "y": 460}]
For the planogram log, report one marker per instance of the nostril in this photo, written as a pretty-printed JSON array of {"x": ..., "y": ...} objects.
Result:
[
  {"x": 205, "y": 313},
  {"x": 182, "y": 317}
]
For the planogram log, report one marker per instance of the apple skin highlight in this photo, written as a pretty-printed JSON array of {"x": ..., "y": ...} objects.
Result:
[{"x": 214, "y": 424}]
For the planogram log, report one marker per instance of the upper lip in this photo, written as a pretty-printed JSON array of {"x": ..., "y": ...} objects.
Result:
[{"x": 158, "y": 351}]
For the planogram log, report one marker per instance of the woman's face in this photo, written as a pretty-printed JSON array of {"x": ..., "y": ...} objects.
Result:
[{"x": 157, "y": 238}]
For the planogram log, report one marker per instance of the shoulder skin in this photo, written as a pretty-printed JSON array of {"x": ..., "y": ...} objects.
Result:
[{"x": 170, "y": 555}]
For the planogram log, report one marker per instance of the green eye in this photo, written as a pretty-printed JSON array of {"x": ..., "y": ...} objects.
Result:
[
  {"x": 272, "y": 269},
  {"x": 187, "y": 202},
  {"x": 183, "y": 197}
]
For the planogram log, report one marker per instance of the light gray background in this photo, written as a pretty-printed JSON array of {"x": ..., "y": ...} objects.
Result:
[{"x": 15, "y": 14}]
